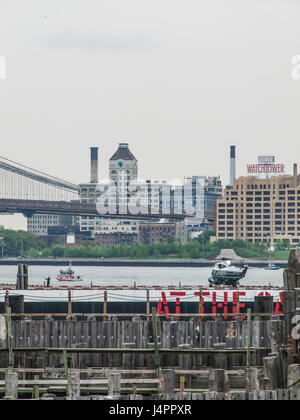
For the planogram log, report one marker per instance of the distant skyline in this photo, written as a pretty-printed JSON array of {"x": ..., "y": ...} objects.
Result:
[{"x": 180, "y": 81}]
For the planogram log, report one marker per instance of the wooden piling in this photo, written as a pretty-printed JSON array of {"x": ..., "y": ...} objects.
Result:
[
  {"x": 11, "y": 385},
  {"x": 6, "y": 305},
  {"x": 36, "y": 393},
  {"x": 114, "y": 384},
  {"x": 16, "y": 303},
  {"x": 128, "y": 360},
  {"x": 168, "y": 381},
  {"x": 105, "y": 306},
  {"x": 22, "y": 277},
  {"x": 237, "y": 302},
  {"x": 148, "y": 302},
  {"x": 276, "y": 334},
  {"x": 200, "y": 306},
  {"x": 293, "y": 377},
  {"x": 73, "y": 386},
  {"x": 220, "y": 359},
  {"x": 181, "y": 381},
  {"x": 155, "y": 339},
  {"x": 9, "y": 342},
  {"x": 263, "y": 305},
  {"x": 218, "y": 381},
  {"x": 252, "y": 381},
  {"x": 248, "y": 361},
  {"x": 69, "y": 302},
  {"x": 271, "y": 371}
]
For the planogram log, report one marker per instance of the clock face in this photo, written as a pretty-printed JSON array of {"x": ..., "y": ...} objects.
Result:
[{"x": 121, "y": 164}]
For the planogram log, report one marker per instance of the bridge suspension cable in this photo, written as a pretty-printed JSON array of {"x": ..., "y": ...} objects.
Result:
[
  {"x": 40, "y": 176},
  {"x": 20, "y": 181}
]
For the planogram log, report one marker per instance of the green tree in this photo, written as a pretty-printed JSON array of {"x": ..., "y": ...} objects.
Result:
[{"x": 19, "y": 242}]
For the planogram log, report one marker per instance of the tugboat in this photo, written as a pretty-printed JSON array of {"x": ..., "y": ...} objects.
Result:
[
  {"x": 224, "y": 273},
  {"x": 68, "y": 275}
]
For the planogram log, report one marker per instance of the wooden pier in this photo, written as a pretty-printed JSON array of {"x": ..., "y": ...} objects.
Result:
[{"x": 250, "y": 356}]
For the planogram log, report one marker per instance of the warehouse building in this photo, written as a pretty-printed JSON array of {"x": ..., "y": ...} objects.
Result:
[{"x": 261, "y": 209}]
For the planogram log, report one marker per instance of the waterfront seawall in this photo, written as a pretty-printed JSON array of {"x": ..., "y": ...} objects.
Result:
[{"x": 118, "y": 262}]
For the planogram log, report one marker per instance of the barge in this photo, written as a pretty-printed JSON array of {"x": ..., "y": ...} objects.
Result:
[{"x": 141, "y": 300}]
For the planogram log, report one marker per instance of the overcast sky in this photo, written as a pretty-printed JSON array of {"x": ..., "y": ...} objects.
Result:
[{"x": 179, "y": 80}]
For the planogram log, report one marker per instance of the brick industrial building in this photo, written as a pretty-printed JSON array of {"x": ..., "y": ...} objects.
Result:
[
  {"x": 150, "y": 233},
  {"x": 261, "y": 210}
]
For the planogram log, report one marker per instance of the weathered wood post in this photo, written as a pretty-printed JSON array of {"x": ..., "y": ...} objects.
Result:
[
  {"x": 279, "y": 366},
  {"x": 290, "y": 357},
  {"x": 16, "y": 304},
  {"x": 168, "y": 381},
  {"x": 11, "y": 385},
  {"x": 114, "y": 384},
  {"x": 271, "y": 372},
  {"x": 155, "y": 339},
  {"x": 263, "y": 305},
  {"x": 181, "y": 383},
  {"x": 285, "y": 357},
  {"x": 105, "y": 306},
  {"x": 69, "y": 302},
  {"x": 184, "y": 359},
  {"x": 3, "y": 331},
  {"x": 237, "y": 302},
  {"x": 148, "y": 303},
  {"x": 200, "y": 306},
  {"x": 73, "y": 386},
  {"x": 291, "y": 296},
  {"x": 296, "y": 329},
  {"x": 218, "y": 381},
  {"x": 276, "y": 334},
  {"x": 293, "y": 377},
  {"x": 25, "y": 276},
  {"x": 248, "y": 357},
  {"x": 252, "y": 381},
  {"x": 9, "y": 341},
  {"x": 36, "y": 391},
  {"x": 128, "y": 359},
  {"x": 220, "y": 358},
  {"x": 22, "y": 277},
  {"x": 20, "y": 283},
  {"x": 6, "y": 305}
]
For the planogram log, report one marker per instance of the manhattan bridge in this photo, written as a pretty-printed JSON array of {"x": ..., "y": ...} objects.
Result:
[{"x": 28, "y": 191}]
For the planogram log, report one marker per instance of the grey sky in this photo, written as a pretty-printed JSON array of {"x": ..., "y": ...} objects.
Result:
[{"x": 179, "y": 80}]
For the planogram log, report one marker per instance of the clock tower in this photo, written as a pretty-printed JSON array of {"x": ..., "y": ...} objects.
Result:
[
  {"x": 123, "y": 165},
  {"x": 122, "y": 171}
]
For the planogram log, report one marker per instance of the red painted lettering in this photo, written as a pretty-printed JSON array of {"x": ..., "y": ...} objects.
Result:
[
  {"x": 178, "y": 301},
  {"x": 224, "y": 305},
  {"x": 214, "y": 307},
  {"x": 166, "y": 308},
  {"x": 237, "y": 304}
]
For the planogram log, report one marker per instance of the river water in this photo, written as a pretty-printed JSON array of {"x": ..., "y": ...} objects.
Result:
[{"x": 139, "y": 276}]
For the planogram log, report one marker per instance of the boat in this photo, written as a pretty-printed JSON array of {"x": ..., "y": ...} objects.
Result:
[
  {"x": 225, "y": 273},
  {"x": 271, "y": 266},
  {"x": 68, "y": 275}
]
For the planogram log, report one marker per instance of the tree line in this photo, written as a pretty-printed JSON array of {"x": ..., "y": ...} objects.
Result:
[{"x": 25, "y": 244}]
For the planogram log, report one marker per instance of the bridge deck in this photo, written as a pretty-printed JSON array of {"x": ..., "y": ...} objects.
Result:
[{"x": 75, "y": 208}]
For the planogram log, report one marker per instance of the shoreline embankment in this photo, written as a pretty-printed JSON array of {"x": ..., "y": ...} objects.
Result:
[{"x": 120, "y": 262}]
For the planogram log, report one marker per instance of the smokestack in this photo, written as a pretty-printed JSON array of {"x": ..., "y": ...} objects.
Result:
[
  {"x": 232, "y": 164},
  {"x": 94, "y": 165},
  {"x": 295, "y": 169}
]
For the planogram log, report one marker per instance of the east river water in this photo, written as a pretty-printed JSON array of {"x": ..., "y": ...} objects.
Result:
[{"x": 139, "y": 276}]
